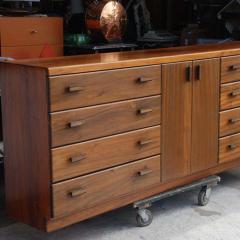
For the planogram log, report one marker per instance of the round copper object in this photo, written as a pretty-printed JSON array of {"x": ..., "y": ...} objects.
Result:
[{"x": 106, "y": 19}]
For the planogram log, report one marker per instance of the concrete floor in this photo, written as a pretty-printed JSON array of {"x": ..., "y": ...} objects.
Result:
[{"x": 176, "y": 218}]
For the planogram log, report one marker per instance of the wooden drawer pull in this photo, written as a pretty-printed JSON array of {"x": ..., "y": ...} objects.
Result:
[
  {"x": 145, "y": 142},
  {"x": 74, "y": 89},
  {"x": 144, "y": 80},
  {"x": 77, "y": 158},
  {"x": 234, "y": 120},
  {"x": 76, "y": 124},
  {"x": 235, "y": 93},
  {"x": 34, "y": 31},
  {"x": 145, "y": 172},
  {"x": 198, "y": 73},
  {"x": 144, "y": 111},
  {"x": 188, "y": 73},
  {"x": 77, "y": 193},
  {"x": 233, "y": 146},
  {"x": 234, "y": 67}
]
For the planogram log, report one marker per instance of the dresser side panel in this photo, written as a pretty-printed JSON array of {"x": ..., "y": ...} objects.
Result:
[{"x": 26, "y": 143}]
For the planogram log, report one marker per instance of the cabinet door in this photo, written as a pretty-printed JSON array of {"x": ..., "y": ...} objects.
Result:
[
  {"x": 205, "y": 114},
  {"x": 177, "y": 106}
]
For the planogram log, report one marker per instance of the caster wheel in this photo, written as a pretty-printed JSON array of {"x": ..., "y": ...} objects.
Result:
[
  {"x": 204, "y": 196},
  {"x": 144, "y": 217}
]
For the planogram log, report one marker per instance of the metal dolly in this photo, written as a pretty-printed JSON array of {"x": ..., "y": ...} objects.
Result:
[{"x": 144, "y": 216}]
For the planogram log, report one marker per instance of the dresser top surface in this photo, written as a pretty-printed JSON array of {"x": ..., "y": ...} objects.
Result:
[{"x": 116, "y": 60}]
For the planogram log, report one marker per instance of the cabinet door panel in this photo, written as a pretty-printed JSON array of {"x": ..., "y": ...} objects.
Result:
[
  {"x": 205, "y": 114},
  {"x": 177, "y": 106}
]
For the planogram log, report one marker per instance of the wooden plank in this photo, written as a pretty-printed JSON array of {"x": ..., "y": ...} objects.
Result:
[
  {"x": 104, "y": 120},
  {"x": 230, "y": 122},
  {"x": 80, "y": 90},
  {"x": 205, "y": 114},
  {"x": 78, "y": 159},
  {"x": 176, "y": 120},
  {"x": 117, "y": 60},
  {"x": 25, "y": 52},
  {"x": 26, "y": 144},
  {"x": 230, "y": 95},
  {"x": 229, "y": 148},
  {"x": 80, "y": 193},
  {"x": 230, "y": 69},
  {"x": 31, "y": 31}
]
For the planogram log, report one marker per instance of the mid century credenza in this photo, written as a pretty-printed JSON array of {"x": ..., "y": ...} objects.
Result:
[{"x": 87, "y": 134}]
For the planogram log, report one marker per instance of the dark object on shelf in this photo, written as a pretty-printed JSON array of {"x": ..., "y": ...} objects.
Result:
[
  {"x": 146, "y": 35},
  {"x": 91, "y": 48},
  {"x": 76, "y": 39},
  {"x": 189, "y": 35},
  {"x": 158, "y": 39},
  {"x": 18, "y": 12},
  {"x": 233, "y": 7},
  {"x": 233, "y": 27},
  {"x": 106, "y": 20},
  {"x": 230, "y": 14}
]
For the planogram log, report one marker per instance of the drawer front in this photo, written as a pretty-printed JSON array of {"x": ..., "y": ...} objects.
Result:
[
  {"x": 33, "y": 31},
  {"x": 84, "y": 192},
  {"x": 75, "y": 160},
  {"x": 230, "y": 69},
  {"x": 26, "y": 52},
  {"x": 229, "y": 148},
  {"x": 94, "y": 122},
  {"x": 230, "y": 122},
  {"x": 230, "y": 96},
  {"x": 80, "y": 90}
]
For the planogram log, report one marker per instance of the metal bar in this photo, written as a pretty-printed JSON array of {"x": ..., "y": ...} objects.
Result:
[{"x": 208, "y": 182}]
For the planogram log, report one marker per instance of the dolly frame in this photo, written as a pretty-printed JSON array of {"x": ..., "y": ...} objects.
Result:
[{"x": 144, "y": 216}]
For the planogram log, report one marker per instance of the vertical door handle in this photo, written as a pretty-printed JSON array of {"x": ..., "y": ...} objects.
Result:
[
  {"x": 188, "y": 73},
  {"x": 198, "y": 73}
]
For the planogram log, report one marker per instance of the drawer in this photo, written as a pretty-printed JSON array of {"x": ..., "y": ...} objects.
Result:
[
  {"x": 230, "y": 122},
  {"x": 85, "y": 192},
  {"x": 230, "y": 69},
  {"x": 29, "y": 31},
  {"x": 26, "y": 52},
  {"x": 75, "y": 160},
  {"x": 229, "y": 148},
  {"x": 230, "y": 96},
  {"x": 94, "y": 122},
  {"x": 81, "y": 90}
]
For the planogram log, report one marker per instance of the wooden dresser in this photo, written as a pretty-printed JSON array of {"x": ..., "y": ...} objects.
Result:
[
  {"x": 88, "y": 134},
  {"x": 31, "y": 37}
]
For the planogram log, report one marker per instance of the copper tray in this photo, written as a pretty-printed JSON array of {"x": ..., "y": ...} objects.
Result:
[{"x": 106, "y": 19}]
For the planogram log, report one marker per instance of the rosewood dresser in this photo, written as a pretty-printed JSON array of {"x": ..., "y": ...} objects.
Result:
[{"x": 87, "y": 134}]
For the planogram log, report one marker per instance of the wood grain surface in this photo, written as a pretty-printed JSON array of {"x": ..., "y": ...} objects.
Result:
[
  {"x": 117, "y": 60},
  {"x": 230, "y": 122},
  {"x": 83, "y": 192},
  {"x": 78, "y": 159},
  {"x": 26, "y": 144},
  {"x": 31, "y": 31},
  {"x": 81, "y": 90},
  {"x": 104, "y": 120},
  {"x": 229, "y": 148},
  {"x": 230, "y": 69},
  {"x": 230, "y": 96},
  {"x": 205, "y": 114},
  {"x": 176, "y": 122}
]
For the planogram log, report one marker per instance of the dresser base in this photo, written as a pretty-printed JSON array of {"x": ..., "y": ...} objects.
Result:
[{"x": 64, "y": 221}]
